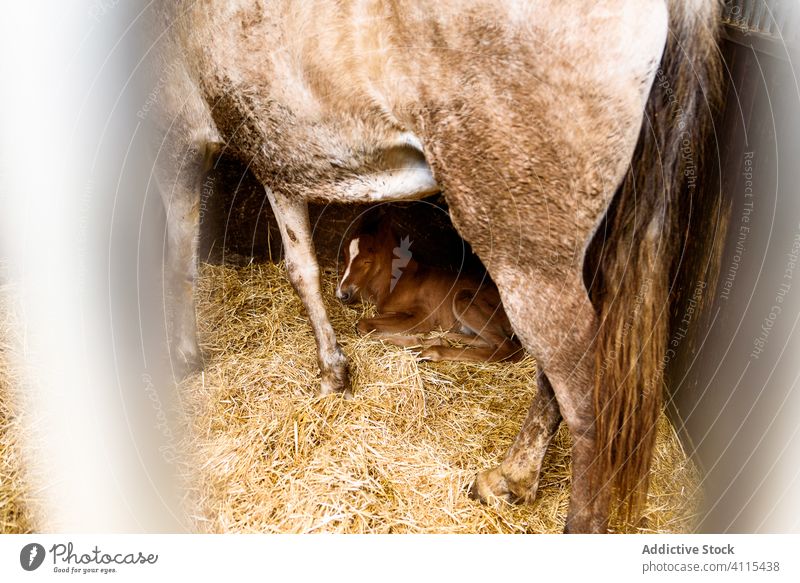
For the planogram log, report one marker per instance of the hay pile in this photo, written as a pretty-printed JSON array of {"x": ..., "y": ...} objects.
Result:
[
  {"x": 265, "y": 455},
  {"x": 16, "y": 516}
]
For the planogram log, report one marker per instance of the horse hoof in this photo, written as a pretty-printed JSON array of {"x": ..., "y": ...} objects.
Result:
[
  {"x": 187, "y": 360},
  {"x": 431, "y": 354},
  {"x": 345, "y": 391},
  {"x": 336, "y": 380},
  {"x": 490, "y": 487},
  {"x": 362, "y": 327}
]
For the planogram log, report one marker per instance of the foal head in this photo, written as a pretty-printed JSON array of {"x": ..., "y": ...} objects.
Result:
[{"x": 367, "y": 260}]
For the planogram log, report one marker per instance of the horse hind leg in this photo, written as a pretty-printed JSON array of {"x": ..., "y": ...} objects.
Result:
[
  {"x": 571, "y": 370},
  {"x": 563, "y": 342},
  {"x": 516, "y": 479}
]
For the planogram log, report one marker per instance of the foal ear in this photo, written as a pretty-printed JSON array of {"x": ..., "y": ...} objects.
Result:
[{"x": 374, "y": 220}]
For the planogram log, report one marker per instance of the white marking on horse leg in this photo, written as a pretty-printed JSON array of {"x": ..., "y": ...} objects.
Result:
[{"x": 301, "y": 264}]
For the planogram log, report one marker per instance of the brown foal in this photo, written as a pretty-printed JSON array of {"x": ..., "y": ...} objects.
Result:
[{"x": 414, "y": 299}]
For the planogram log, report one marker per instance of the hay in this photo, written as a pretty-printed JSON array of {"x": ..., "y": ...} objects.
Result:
[
  {"x": 16, "y": 514},
  {"x": 265, "y": 455}
]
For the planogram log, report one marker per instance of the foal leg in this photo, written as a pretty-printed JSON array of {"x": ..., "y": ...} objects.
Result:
[
  {"x": 466, "y": 339},
  {"x": 516, "y": 479},
  {"x": 301, "y": 264},
  {"x": 490, "y": 344},
  {"x": 394, "y": 324},
  {"x": 504, "y": 350},
  {"x": 397, "y": 329},
  {"x": 392, "y": 329}
]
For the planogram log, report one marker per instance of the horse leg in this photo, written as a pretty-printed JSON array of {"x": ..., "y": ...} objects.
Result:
[
  {"x": 516, "y": 479},
  {"x": 589, "y": 502},
  {"x": 180, "y": 187},
  {"x": 417, "y": 341},
  {"x": 571, "y": 369},
  {"x": 563, "y": 342},
  {"x": 475, "y": 349},
  {"x": 466, "y": 339},
  {"x": 405, "y": 341},
  {"x": 182, "y": 222},
  {"x": 301, "y": 265}
]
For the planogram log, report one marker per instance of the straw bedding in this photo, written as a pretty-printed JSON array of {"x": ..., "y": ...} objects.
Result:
[
  {"x": 265, "y": 455},
  {"x": 16, "y": 504}
]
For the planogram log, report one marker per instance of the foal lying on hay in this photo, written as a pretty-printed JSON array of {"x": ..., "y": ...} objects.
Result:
[
  {"x": 267, "y": 455},
  {"x": 413, "y": 298}
]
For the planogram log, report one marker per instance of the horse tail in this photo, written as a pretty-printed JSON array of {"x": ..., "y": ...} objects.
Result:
[{"x": 645, "y": 227}]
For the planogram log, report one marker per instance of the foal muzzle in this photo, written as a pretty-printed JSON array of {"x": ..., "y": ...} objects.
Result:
[{"x": 346, "y": 295}]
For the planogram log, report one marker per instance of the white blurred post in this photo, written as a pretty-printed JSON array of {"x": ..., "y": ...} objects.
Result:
[{"x": 73, "y": 180}]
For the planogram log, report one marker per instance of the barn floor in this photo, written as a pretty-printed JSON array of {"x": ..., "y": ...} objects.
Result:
[
  {"x": 265, "y": 455},
  {"x": 16, "y": 499}
]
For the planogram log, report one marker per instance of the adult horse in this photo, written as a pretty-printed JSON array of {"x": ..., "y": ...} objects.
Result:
[{"x": 529, "y": 116}]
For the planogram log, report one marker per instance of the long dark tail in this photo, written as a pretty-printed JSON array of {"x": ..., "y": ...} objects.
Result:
[{"x": 644, "y": 229}]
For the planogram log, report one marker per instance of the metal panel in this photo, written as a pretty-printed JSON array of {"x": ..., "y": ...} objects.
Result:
[{"x": 776, "y": 19}]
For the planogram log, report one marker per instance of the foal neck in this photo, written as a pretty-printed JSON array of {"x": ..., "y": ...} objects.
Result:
[{"x": 396, "y": 262}]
